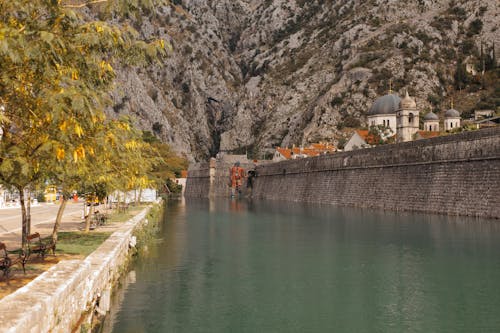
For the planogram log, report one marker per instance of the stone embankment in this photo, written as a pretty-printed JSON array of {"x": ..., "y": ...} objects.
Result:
[
  {"x": 455, "y": 174},
  {"x": 59, "y": 299}
]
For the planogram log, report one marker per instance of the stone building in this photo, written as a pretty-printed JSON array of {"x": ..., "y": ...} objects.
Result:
[
  {"x": 383, "y": 112},
  {"x": 407, "y": 119},
  {"x": 314, "y": 149},
  {"x": 431, "y": 122},
  {"x": 451, "y": 119},
  {"x": 359, "y": 139},
  {"x": 402, "y": 118}
]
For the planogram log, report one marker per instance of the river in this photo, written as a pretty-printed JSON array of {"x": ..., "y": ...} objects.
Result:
[{"x": 237, "y": 266}]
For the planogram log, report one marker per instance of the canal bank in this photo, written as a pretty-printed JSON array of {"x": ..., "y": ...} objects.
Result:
[{"x": 73, "y": 293}]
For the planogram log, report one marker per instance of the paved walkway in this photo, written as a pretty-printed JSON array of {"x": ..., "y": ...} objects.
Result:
[{"x": 42, "y": 220}]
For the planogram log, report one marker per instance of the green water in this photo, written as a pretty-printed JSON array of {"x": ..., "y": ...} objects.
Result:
[{"x": 231, "y": 266}]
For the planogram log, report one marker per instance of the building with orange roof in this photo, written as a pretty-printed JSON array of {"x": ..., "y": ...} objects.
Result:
[
  {"x": 426, "y": 134},
  {"x": 368, "y": 138},
  {"x": 314, "y": 149}
]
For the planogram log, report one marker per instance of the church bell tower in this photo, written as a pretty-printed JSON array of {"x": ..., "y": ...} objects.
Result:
[{"x": 407, "y": 119}]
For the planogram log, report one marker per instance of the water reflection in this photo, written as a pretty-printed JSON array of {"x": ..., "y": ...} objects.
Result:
[{"x": 238, "y": 266}]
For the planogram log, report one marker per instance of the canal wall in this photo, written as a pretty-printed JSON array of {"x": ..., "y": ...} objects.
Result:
[
  {"x": 67, "y": 295},
  {"x": 211, "y": 179},
  {"x": 456, "y": 174}
]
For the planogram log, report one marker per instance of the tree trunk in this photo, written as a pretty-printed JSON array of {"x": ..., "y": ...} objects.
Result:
[
  {"x": 89, "y": 218},
  {"x": 28, "y": 210},
  {"x": 138, "y": 201},
  {"x": 60, "y": 212},
  {"x": 25, "y": 228}
]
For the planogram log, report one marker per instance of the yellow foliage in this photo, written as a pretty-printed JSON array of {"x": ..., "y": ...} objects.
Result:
[
  {"x": 143, "y": 182},
  {"x": 63, "y": 126},
  {"x": 79, "y": 153},
  {"x": 78, "y": 130},
  {"x": 111, "y": 138},
  {"x": 74, "y": 75},
  {"x": 60, "y": 154},
  {"x": 124, "y": 126},
  {"x": 103, "y": 178},
  {"x": 106, "y": 66},
  {"x": 131, "y": 144}
]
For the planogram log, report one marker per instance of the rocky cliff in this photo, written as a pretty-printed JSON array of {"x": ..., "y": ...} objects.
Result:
[{"x": 246, "y": 75}]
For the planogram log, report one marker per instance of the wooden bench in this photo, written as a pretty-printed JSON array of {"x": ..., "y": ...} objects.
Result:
[
  {"x": 7, "y": 262},
  {"x": 122, "y": 207},
  {"x": 98, "y": 219},
  {"x": 36, "y": 245}
]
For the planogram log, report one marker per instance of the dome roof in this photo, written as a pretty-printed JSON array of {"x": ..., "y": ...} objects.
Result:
[
  {"x": 452, "y": 113},
  {"x": 431, "y": 116},
  {"x": 387, "y": 104},
  {"x": 407, "y": 102}
]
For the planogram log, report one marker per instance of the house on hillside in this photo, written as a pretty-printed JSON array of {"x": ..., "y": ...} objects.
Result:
[
  {"x": 488, "y": 122},
  {"x": 483, "y": 114},
  {"x": 357, "y": 140},
  {"x": 315, "y": 149}
]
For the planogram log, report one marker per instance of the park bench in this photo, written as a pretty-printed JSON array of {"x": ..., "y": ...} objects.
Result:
[
  {"x": 98, "y": 219},
  {"x": 122, "y": 207},
  {"x": 36, "y": 245},
  {"x": 7, "y": 262}
]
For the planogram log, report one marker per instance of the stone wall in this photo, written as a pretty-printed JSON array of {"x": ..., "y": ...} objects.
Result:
[
  {"x": 198, "y": 181},
  {"x": 212, "y": 179},
  {"x": 56, "y": 300},
  {"x": 456, "y": 174}
]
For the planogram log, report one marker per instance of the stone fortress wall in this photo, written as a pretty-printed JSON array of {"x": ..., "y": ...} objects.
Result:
[
  {"x": 211, "y": 179},
  {"x": 456, "y": 175}
]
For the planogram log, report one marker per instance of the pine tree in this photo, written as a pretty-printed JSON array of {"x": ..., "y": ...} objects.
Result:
[{"x": 460, "y": 76}]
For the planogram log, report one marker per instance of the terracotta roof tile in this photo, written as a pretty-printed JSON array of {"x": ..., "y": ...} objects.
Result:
[
  {"x": 428, "y": 134},
  {"x": 315, "y": 149}
]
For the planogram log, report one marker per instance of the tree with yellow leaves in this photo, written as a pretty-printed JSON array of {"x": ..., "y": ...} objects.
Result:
[{"x": 56, "y": 70}]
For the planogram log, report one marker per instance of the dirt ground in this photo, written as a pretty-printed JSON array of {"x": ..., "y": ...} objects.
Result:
[{"x": 18, "y": 279}]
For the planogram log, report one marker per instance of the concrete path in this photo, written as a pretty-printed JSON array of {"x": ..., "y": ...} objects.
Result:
[{"x": 42, "y": 221}]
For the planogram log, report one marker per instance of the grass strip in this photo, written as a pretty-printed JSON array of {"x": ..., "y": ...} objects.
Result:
[{"x": 80, "y": 243}]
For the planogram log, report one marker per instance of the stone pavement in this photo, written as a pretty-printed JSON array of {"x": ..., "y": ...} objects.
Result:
[{"x": 43, "y": 217}]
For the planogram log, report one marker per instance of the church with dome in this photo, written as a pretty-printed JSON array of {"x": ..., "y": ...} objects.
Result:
[{"x": 401, "y": 117}]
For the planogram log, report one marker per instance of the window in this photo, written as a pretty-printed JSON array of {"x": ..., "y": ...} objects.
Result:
[
  {"x": 387, "y": 122},
  {"x": 410, "y": 118},
  {"x": 451, "y": 125}
]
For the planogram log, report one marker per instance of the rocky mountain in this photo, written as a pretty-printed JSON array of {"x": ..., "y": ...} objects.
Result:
[{"x": 247, "y": 75}]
